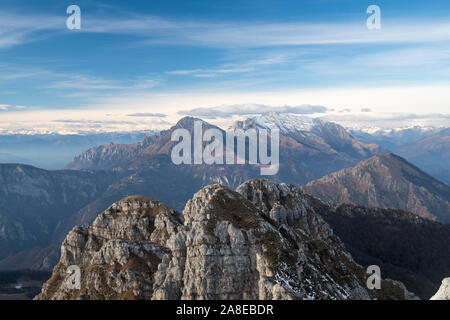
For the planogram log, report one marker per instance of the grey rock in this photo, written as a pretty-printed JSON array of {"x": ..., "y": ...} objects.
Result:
[
  {"x": 263, "y": 242},
  {"x": 443, "y": 292}
]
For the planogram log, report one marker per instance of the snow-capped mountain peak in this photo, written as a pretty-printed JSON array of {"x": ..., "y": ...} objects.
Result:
[{"x": 285, "y": 122}]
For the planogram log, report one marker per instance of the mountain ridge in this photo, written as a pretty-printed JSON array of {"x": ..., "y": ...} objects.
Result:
[
  {"x": 386, "y": 181},
  {"x": 224, "y": 246},
  {"x": 304, "y": 155},
  {"x": 36, "y": 203},
  {"x": 425, "y": 148}
]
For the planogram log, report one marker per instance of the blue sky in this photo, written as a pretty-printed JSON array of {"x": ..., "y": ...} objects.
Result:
[{"x": 142, "y": 64}]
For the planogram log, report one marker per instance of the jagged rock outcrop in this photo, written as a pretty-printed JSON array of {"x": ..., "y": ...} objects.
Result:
[
  {"x": 293, "y": 209},
  {"x": 406, "y": 247},
  {"x": 230, "y": 251},
  {"x": 118, "y": 254},
  {"x": 443, "y": 292},
  {"x": 262, "y": 242}
]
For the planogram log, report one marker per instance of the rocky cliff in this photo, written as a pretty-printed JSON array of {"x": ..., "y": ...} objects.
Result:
[
  {"x": 263, "y": 242},
  {"x": 443, "y": 292}
]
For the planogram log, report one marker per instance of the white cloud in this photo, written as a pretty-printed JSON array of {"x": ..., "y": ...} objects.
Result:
[
  {"x": 87, "y": 83},
  {"x": 18, "y": 29},
  {"x": 244, "y": 35},
  {"x": 84, "y": 83},
  {"x": 227, "y": 111},
  {"x": 233, "y": 34},
  {"x": 208, "y": 73},
  {"x": 75, "y": 121},
  {"x": 149, "y": 115},
  {"x": 406, "y": 57},
  {"x": 6, "y": 107},
  {"x": 390, "y": 120},
  {"x": 230, "y": 68}
]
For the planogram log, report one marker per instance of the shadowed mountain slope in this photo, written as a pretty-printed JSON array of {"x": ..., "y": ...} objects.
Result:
[{"x": 386, "y": 181}]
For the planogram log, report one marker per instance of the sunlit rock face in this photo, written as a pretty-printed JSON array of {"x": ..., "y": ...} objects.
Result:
[
  {"x": 443, "y": 292},
  {"x": 265, "y": 241}
]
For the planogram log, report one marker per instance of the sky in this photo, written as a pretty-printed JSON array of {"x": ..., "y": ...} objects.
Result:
[{"x": 140, "y": 65}]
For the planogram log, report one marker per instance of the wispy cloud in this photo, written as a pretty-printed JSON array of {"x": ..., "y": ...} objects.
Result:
[
  {"x": 231, "y": 34},
  {"x": 148, "y": 115},
  {"x": 209, "y": 73},
  {"x": 84, "y": 83},
  {"x": 16, "y": 29},
  {"x": 227, "y": 111},
  {"x": 390, "y": 120},
  {"x": 52, "y": 79},
  {"x": 87, "y": 83},
  {"x": 12, "y": 72},
  {"x": 411, "y": 56},
  {"x": 237, "y": 67},
  {"x": 6, "y": 107},
  {"x": 94, "y": 122}
]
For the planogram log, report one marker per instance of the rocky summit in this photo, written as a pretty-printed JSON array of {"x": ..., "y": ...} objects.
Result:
[
  {"x": 265, "y": 241},
  {"x": 443, "y": 292}
]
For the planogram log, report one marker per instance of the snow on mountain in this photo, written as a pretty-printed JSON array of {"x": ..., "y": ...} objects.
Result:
[
  {"x": 286, "y": 123},
  {"x": 395, "y": 136}
]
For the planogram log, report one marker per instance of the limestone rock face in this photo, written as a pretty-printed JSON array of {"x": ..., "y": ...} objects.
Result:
[
  {"x": 443, "y": 292},
  {"x": 266, "y": 241},
  {"x": 118, "y": 254},
  {"x": 299, "y": 215},
  {"x": 230, "y": 250}
]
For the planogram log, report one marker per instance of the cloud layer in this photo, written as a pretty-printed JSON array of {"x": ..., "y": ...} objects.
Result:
[
  {"x": 228, "y": 111},
  {"x": 149, "y": 115}
]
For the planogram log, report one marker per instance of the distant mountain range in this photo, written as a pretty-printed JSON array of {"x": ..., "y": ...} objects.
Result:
[
  {"x": 391, "y": 138},
  {"x": 36, "y": 204},
  {"x": 309, "y": 150},
  {"x": 386, "y": 181},
  {"x": 54, "y": 151},
  {"x": 427, "y": 148}
]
